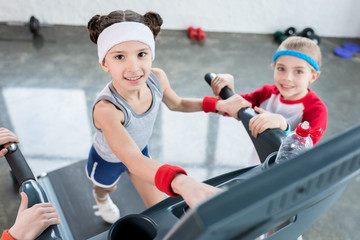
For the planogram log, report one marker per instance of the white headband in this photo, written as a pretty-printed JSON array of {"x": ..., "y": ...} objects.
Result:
[{"x": 122, "y": 32}]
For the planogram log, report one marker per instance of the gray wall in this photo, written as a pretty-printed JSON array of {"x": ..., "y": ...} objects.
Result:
[{"x": 329, "y": 18}]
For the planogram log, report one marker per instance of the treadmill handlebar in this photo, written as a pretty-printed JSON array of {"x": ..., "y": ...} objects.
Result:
[
  {"x": 18, "y": 164},
  {"x": 225, "y": 93},
  {"x": 268, "y": 141},
  {"x": 36, "y": 194},
  {"x": 30, "y": 186}
]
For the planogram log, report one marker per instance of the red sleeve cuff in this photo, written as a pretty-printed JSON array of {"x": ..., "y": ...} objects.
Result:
[
  {"x": 164, "y": 176},
  {"x": 209, "y": 104}
]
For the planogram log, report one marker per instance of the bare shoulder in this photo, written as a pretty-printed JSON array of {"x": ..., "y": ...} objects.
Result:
[
  {"x": 105, "y": 111},
  {"x": 104, "y": 105},
  {"x": 161, "y": 76},
  {"x": 158, "y": 72}
]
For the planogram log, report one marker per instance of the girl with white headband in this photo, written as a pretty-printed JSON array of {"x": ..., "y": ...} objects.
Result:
[
  {"x": 124, "y": 114},
  {"x": 287, "y": 102}
]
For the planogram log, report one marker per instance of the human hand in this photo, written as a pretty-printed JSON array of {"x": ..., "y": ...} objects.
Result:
[
  {"x": 31, "y": 222},
  {"x": 6, "y": 137},
  {"x": 232, "y": 105},
  {"x": 220, "y": 81},
  {"x": 192, "y": 191},
  {"x": 266, "y": 120}
]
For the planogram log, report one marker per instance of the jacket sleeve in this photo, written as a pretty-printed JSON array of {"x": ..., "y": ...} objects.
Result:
[{"x": 316, "y": 114}]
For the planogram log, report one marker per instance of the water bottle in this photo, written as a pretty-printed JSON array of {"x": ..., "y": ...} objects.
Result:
[{"x": 294, "y": 143}]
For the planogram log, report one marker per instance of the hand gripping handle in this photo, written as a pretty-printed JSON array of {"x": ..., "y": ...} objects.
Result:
[
  {"x": 268, "y": 141},
  {"x": 30, "y": 186}
]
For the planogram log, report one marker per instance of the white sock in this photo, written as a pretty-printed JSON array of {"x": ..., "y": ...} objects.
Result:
[{"x": 101, "y": 200}]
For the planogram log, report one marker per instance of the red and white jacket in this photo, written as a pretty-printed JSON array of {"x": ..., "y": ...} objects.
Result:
[{"x": 310, "y": 108}]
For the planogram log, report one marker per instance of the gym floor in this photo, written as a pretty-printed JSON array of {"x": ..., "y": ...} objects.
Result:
[{"x": 48, "y": 83}]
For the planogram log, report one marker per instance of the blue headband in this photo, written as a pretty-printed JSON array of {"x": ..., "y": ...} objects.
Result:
[{"x": 299, "y": 55}]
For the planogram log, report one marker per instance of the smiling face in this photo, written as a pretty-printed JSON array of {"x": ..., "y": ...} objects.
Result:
[
  {"x": 129, "y": 64},
  {"x": 293, "y": 76}
]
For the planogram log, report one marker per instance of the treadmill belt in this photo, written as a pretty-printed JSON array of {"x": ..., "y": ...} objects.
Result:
[{"x": 74, "y": 193}]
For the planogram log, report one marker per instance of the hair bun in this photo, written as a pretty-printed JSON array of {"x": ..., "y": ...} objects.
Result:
[
  {"x": 94, "y": 27},
  {"x": 154, "y": 21}
]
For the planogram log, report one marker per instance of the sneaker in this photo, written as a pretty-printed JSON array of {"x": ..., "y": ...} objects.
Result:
[{"x": 107, "y": 210}]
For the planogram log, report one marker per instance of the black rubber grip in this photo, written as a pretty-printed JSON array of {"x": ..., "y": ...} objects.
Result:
[
  {"x": 225, "y": 93},
  {"x": 18, "y": 164}
]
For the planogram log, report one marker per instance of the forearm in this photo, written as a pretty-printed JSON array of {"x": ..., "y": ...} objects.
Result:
[
  {"x": 140, "y": 165},
  {"x": 145, "y": 168},
  {"x": 127, "y": 151},
  {"x": 186, "y": 105}
]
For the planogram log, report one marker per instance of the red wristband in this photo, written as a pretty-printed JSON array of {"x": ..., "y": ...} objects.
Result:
[
  {"x": 6, "y": 235},
  {"x": 164, "y": 176},
  {"x": 209, "y": 104}
]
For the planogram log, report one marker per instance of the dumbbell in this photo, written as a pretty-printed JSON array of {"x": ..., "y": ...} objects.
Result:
[
  {"x": 307, "y": 32},
  {"x": 282, "y": 36},
  {"x": 34, "y": 25},
  {"x": 193, "y": 33},
  {"x": 291, "y": 31},
  {"x": 279, "y": 36},
  {"x": 347, "y": 50},
  {"x": 315, "y": 38},
  {"x": 310, "y": 33},
  {"x": 201, "y": 36},
  {"x": 196, "y": 34}
]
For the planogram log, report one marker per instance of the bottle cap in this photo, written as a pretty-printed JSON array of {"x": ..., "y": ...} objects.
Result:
[{"x": 303, "y": 129}]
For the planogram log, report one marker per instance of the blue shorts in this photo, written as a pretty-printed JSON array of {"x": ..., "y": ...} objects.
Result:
[{"x": 106, "y": 174}]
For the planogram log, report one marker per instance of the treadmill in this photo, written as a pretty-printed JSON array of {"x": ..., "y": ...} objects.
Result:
[{"x": 272, "y": 201}]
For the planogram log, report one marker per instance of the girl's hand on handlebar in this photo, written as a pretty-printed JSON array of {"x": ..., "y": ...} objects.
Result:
[
  {"x": 266, "y": 120},
  {"x": 232, "y": 105},
  {"x": 6, "y": 137},
  {"x": 192, "y": 191},
  {"x": 220, "y": 81},
  {"x": 31, "y": 222}
]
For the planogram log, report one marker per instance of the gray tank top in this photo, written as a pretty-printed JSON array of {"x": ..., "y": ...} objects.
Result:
[{"x": 139, "y": 126}]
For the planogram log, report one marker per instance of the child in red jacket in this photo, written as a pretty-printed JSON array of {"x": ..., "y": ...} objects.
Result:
[{"x": 289, "y": 100}]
